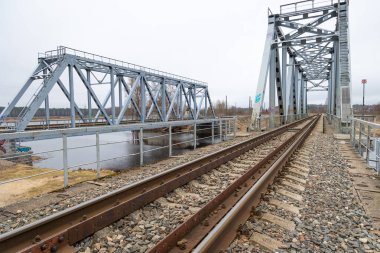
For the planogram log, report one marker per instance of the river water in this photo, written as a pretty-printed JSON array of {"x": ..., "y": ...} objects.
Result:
[{"x": 111, "y": 154}]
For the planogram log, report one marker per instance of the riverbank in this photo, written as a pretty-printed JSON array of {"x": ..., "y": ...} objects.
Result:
[{"x": 28, "y": 188}]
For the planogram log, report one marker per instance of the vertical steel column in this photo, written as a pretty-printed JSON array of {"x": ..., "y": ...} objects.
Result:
[
  {"x": 170, "y": 141},
  {"x": 180, "y": 115},
  {"x": 97, "y": 155},
  {"x": 338, "y": 111},
  {"x": 212, "y": 132},
  {"x": 289, "y": 85},
  {"x": 65, "y": 162},
  {"x": 71, "y": 87},
  {"x": 295, "y": 91},
  {"x": 112, "y": 81},
  {"x": 47, "y": 108},
  {"x": 206, "y": 103},
  {"x": 195, "y": 136},
  {"x": 195, "y": 102},
  {"x": 141, "y": 140},
  {"x": 306, "y": 101},
  {"x": 304, "y": 85},
  {"x": 120, "y": 94},
  {"x": 301, "y": 94},
  {"x": 329, "y": 94},
  {"x": 190, "y": 94},
  {"x": 163, "y": 99},
  {"x": 333, "y": 82},
  {"x": 298, "y": 93},
  {"x": 284, "y": 66},
  {"x": 142, "y": 99},
  {"x": 88, "y": 72},
  {"x": 272, "y": 87}
]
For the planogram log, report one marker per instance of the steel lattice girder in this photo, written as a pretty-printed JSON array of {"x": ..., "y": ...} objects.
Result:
[
  {"x": 312, "y": 55},
  {"x": 168, "y": 96}
]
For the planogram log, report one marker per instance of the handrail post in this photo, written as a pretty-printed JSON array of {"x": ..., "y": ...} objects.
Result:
[
  {"x": 65, "y": 162},
  {"x": 220, "y": 130},
  {"x": 360, "y": 139},
  {"x": 141, "y": 147},
  {"x": 378, "y": 156},
  {"x": 195, "y": 136},
  {"x": 170, "y": 140},
  {"x": 226, "y": 130},
  {"x": 97, "y": 155},
  {"x": 368, "y": 146},
  {"x": 235, "y": 120},
  {"x": 212, "y": 132}
]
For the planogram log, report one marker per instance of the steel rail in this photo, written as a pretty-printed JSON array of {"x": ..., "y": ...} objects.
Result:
[
  {"x": 187, "y": 235},
  {"x": 58, "y": 231},
  {"x": 220, "y": 237}
]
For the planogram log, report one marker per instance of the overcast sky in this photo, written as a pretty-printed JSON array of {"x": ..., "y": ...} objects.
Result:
[{"x": 219, "y": 42}]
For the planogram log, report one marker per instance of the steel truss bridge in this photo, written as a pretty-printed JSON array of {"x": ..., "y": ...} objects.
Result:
[
  {"x": 149, "y": 94},
  {"x": 307, "y": 45}
]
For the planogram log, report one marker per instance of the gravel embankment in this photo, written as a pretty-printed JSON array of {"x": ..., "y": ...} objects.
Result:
[
  {"x": 22, "y": 213},
  {"x": 332, "y": 218},
  {"x": 145, "y": 227}
]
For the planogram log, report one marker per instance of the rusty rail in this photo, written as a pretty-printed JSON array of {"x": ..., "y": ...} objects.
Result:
[
  {"x": 248, "y": 188},
  {"x": 58, "y": 231},
  {"x": 221, "y": 235}
]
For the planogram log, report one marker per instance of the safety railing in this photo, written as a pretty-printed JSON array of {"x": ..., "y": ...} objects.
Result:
[
  {"x": 307, "y": 5},
  {"x": 339, "y": 125},
  {"x": 370, "y": 118},
  {"x": 365, "y": 139},
  {"x": 62, "y": 50},
  {"x": 64, "y": 154}
]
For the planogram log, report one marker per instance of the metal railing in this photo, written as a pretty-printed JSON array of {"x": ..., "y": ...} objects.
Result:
[
  {"x": 62, "y": 50},
  {"x": 365, "y": 139},
  {"x": 339, "y": 125},
  {"x": 307, "y": 5},
  {"x": 221, "y": 129},
  {"x": 370, "y": 118}
]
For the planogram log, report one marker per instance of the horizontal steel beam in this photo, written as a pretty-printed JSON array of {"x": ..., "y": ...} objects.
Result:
[{"x": 57, "y": 133}]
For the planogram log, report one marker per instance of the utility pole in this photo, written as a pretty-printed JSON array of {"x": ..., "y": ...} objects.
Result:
[{"x": 364, "y": 81}]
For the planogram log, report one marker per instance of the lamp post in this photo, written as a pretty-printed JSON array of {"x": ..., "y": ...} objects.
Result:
[{"x": 364, "y": 81}]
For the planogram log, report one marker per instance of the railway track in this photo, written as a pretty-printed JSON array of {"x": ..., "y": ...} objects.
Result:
[
  {"x": 277, "y": 215},
  {"x": 199, "y": 195}
]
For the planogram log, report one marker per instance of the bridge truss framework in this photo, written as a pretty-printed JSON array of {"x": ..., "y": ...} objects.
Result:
[
  {"x": 149, "y": 94},
  {"x": 311, "y": 55}
]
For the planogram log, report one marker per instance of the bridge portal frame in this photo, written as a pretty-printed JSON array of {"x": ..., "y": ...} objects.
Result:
[{"x": 310, "y": 57}]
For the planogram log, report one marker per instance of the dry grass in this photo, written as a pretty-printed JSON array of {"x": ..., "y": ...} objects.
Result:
[{"x": 31, "y": 187}]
